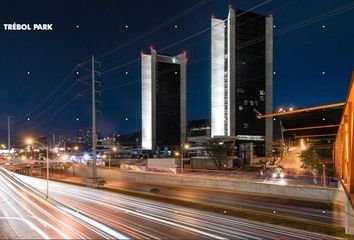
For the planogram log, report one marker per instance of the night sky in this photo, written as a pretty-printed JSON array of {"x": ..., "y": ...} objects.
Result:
[{"x": 313, "y": 60}]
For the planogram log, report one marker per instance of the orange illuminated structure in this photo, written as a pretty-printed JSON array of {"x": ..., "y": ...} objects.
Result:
[
  {"x": 301, "y": 110},
  {"x": 343, "y": 157},
  {"x": 308, "y": 128},
  {"x": 344, "y": 146},
  {"x": 315, "y": 135}
]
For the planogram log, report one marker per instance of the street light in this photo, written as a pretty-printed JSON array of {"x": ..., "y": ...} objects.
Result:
[
  {"x": 114, "y": 149},
  {"x": 30, "y": 141},
  {"x": 183, "y": 147},
  {"x": 324, "y": 175}
]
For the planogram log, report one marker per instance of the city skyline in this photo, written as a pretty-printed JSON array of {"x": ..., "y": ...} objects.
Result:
[
  {"x": 41, "y": 61},
  {"x": 179, "y": 119}
]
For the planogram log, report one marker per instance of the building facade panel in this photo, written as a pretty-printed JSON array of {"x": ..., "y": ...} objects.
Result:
[
  {"x": 146, "y": 107},
  {"x": 217, "y": 77}
]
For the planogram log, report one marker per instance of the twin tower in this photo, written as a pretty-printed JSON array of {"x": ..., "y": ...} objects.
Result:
[{"x": 241, "y": 85}]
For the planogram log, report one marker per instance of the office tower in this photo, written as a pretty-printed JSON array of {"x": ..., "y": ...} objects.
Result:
[
  {"x": 241, "y": 76},
  {"x": 163, "y": 100}
]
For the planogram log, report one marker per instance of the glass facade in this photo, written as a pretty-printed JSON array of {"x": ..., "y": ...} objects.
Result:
[
  {"x": 168, "y": 102},
  {"x": 250, "y": 72}
]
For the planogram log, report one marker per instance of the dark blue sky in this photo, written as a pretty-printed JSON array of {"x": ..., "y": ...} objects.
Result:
[{"x": 300, "y": 57}]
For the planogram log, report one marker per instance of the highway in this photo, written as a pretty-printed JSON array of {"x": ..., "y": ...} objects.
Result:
[
  {"x": 24, "y": 215},
  {"x": 306, "y": 210},
  {"x": 142, "y": 218},
  {"x": 324, "y": 212}
]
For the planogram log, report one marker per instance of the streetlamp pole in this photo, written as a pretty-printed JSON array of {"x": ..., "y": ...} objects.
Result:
[
  {"x": 30, "y": 141},
  {"x": 109, "y": 161},
  {"x": 324, "y": 175},
  {"x": 47, "y": 171},
  {"x": 182, "y": 153},
  {"x": 9, "y": 142},
  {"x": 114, "y": 149},
  {"x": 183, "y": 147}
]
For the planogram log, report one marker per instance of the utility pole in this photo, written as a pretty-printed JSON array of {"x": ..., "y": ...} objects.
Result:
[
  {"x": 9, "y": 142},
  {"x": 92, "y": 84},
  {"x": 94, "y": 154}
]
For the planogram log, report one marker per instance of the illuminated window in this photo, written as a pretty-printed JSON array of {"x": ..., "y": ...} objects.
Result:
[
  {"x": 245, "y": 102},
  {"x": 240, "y": 107},
  {"x": 252, "y": 103},
  {"x": 245, "y": 125},
  {"x": 261, "y": 98},
  {"x": 261, "y": 92}
]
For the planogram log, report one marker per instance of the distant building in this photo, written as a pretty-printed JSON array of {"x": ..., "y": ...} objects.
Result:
[
  {"x": 198, "y": 129},
  {"x": 88, "y": 137},
  {"x": 132, "y": 139},
  {"x": 163, "y": 100},
  {"x": 62, "y": 141},
  {"x": 43, "y": 140},
  {"x": 79, "y": 136},
  {"x": 241, "y": 78},
  {"x": 99, "y": 135},
  {"x": 198, "y": 135}
]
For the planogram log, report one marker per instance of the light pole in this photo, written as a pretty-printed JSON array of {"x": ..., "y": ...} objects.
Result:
[
  {"x": 114, "y": 149},
  {"x": 30, "y": 141},
  {"x": 177, "y": 155},
  {"x": 183, "y": 147},
  {"x": 324, "y": 175}
]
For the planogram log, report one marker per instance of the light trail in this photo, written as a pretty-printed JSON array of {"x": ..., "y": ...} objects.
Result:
[
  {"x": 306, "y": 213},
  {"x": 41, "y": 218},
  {"x": 143, "y": 218}
]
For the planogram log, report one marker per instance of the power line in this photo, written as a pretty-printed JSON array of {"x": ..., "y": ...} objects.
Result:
[
  {"x": 54, "y": 113},
  {"x": 66, "y": 78},
  {"x": 302, "y": 24},
  {"x": 185, "y": 39},
  {"x": 155, "y": 29},
  {"x": 252, "y": 41}
]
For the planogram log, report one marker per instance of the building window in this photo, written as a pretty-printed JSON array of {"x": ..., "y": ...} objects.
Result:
[
  {"x": 240, "y": 90},
  {"x": 245, "y": 125},
  {"x": 240, "y": 107},
  {"x": 261, "y": 98},
  {"x": 256, "y": 103},
  {"x": 252, "y": 103},
  {"x": 261, "y": 92},
  {"x": 245, "y": 102}
]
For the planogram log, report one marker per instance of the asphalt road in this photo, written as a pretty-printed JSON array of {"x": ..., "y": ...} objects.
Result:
[
  {"x": 306, "y": 210},
  {"x": 24, "y": 215},
  {"x": 324, "y": 212},
  {"x": 142, "y": 218}
]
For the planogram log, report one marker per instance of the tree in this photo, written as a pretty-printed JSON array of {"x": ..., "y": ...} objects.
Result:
[
  {"x": 219, "y": 153},
  {"x": 314, "y": 159},
  {"x": 310, "y": 160}
]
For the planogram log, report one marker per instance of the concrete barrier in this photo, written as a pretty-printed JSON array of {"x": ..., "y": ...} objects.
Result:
[{"x": 286, "y": 191}]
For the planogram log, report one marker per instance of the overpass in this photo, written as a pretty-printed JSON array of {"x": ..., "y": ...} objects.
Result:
[{"x": 343, "y": 155}]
